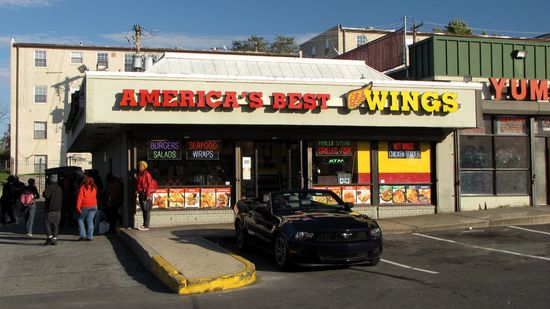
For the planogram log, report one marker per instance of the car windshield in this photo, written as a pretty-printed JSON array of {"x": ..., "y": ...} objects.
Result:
[{"x": 306, "y": 201}]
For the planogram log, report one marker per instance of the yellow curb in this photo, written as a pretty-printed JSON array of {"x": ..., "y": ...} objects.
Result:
[{"x": 183, "y": 286}]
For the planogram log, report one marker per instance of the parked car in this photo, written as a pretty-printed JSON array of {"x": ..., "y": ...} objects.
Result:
[{"x": 307, "y": 227}]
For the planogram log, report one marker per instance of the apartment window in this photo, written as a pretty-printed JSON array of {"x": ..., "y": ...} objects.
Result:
[
  {"x": 40, "y": 163},
  {"x": 327, "y": 46},
  {"x": 40, "y": 130},
  {"x": 76, "y": 57},
  {"x": 40, "y": 94},
  {"x": 40, "y": 58},
  {"x": 128, "y": 62},
  {"x": 361, "y": 39},
  {"x": 313, "y": 52},
  {"x": 102, "y": 60}
]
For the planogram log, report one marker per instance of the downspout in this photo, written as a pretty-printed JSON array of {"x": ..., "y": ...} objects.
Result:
[{"x": 16, "y": 163}]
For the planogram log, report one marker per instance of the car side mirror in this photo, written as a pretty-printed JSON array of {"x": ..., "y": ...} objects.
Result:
[{"x": 348, "y": 206}]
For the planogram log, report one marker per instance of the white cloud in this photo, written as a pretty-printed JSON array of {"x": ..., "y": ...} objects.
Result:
[{"x": 26, "y": 3}]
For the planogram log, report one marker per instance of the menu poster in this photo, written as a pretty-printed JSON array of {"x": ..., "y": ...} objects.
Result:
[
  {"x": 192, "y": 197},
  {"x": 208, "y": 197},
  {"x": 223, "y": 197},
  {"x": 319, "y": 188},
  {"x": 404, "y": 150},
  {"x": 337, "y": 191},
  {"x": 425, "y": 194},
  {"x": 176, "y": 197},
  {"x": 160, "y": 198},
  {"x": 363, "y": 195},
  {"x": 386, "y": 194},
  {"x": 412, "y": 195},
  {"x": 349, "y": 194},
  {"x": 398, "y": 196}
]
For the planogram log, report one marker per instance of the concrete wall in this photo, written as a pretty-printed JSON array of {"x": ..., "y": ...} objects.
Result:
[
  {"x": 445, "y": 167},
  {"x": 488, "y": 202}
]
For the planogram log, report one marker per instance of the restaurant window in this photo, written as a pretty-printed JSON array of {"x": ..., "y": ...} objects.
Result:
[
  {"x": 40, "y": 58},
  {"x": 190, "y": 173},
  {"x": 40, "y": 163},
  {"x": 40, "y": 130},
  {"x": 76, "y": 57},
  {"x": 313, "y": 51},
  {"x": 404, "y": 173},
  {"x": 494, "y": 160},
  {"x": 345, "y": 168},
  {"x": 40, "y": 94}
]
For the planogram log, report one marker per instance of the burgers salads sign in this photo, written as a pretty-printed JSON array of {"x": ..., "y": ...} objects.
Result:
[{"x": 364, "y": 98}]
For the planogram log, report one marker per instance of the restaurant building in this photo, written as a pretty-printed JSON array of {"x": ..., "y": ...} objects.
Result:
[{"x": 216, "y": 128}]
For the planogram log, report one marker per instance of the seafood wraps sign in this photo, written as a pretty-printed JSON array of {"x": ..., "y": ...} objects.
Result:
[{"x": 164, "y": 150}]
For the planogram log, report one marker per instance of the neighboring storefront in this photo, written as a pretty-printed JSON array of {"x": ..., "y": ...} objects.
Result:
[
  {"x": 211, "y": 139},
  {"x": 505, "y": 160}
]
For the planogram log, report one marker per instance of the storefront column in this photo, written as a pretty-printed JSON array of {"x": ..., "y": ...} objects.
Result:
[
  {"x": 309, "y": 165},
  {"x": 445, "y": 180},
  {"x": 238, "y": 172}
]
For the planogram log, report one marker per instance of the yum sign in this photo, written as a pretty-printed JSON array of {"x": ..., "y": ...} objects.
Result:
[{"x": 520, "y": 90}]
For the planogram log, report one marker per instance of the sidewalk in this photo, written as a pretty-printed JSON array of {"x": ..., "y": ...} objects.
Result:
[{"x": 186, "y": 262}]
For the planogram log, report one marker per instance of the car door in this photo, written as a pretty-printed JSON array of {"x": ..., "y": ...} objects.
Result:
[{"x": 264, "y": 223}]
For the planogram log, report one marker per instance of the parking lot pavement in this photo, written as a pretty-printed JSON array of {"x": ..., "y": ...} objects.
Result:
[{"x": 486, "y": 267}]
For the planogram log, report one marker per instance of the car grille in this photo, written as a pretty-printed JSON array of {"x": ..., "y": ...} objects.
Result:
[
  {"x": 343, "y": 256},
  {"x": 342, "y": 236}
]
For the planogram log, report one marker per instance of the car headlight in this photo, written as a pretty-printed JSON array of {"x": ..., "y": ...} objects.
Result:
[
  {"x": 375, "y": 233},
  {"x": 303, "y": 235}
]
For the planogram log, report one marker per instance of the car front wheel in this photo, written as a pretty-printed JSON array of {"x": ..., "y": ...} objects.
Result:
[
  {"x": 281, "y": 253},
  {"x": 374, "y": 261}
]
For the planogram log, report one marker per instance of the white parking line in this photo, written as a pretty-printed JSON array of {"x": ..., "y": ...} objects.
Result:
[
  {"x": 410, "y": 267},
  {"x": 483, "y": 248},
  {"x": 528, "y": 230}
]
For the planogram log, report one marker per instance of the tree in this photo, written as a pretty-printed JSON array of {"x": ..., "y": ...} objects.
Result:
[
  {"x": 284, "y": 45},
  {"x": 455, "y": 26},
  {"x": 281, "y": 45},
  {"x": 253, "y": 43}
]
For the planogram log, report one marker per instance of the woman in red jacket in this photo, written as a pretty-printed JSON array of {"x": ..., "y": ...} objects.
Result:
[
  {"x": 86, "y": 206},
  {"x": 144, "y": 187}
]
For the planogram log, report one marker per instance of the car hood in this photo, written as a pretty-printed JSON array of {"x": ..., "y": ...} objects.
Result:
[{"x": 328, "y": 221}]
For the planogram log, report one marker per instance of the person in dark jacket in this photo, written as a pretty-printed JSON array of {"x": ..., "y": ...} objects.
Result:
[
  {"x": 17, "y": 190},
  {"x": 52, "y": 212},
  {"x": 7, "y": 201},
  {"x": 29, "y": 210}
]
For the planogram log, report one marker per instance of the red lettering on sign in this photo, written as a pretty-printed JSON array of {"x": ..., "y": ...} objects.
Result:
[
  {"x": 309, "y": 101},
  {"x": 230, "y": 100},
  {"x": 128, "y": 98},
  {"x": 522, "y": 94},
  {"x": 186, "y": 98},
  {"x": 145, "y": 97},
  {"x": 279, "y": 100},
  {"x": 168, "y": 98},
  {"x": 539, "y": 90},
  {"x": 498, "y": 85},
  {"x": 200, "y": 99},
  {"x": 294, "y": 101},
  {"x": 323, "y": 98},
  {"x": 213, "y": 95},
  {"x": 255, "y": 100}
]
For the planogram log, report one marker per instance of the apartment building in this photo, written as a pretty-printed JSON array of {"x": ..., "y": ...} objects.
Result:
[{"x": 43, "y": 78}]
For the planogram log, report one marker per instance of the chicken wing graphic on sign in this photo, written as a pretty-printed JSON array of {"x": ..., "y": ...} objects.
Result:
[{"x": 356, "y": 97}]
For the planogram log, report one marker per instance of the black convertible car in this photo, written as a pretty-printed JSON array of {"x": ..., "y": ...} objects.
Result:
[{"x": 308, "y": 227}]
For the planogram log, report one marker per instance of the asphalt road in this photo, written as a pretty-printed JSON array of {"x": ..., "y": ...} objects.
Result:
[{"x": 490, "y": 268}]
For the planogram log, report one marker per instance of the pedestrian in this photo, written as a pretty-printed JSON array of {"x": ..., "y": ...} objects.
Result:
[
  {"x": 86, "y": 207},
  {"x": 54, "y": 200},
  {"x": 144, "y": 188},
  {"x": 6, "y": 202},
  {"x": 29, "y": 204},
  {"x": 17, "y": 190},
  {"x": 114, "y": 201}
]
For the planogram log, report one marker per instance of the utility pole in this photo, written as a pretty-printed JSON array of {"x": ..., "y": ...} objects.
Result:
[
  {"x": 414, "y": 27},
  {"x": 405, "y": 48},
  {"x": 137, "y": 36}
]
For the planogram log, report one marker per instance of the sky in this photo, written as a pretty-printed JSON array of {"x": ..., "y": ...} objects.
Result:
[{"x": 202, "y": 24}]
